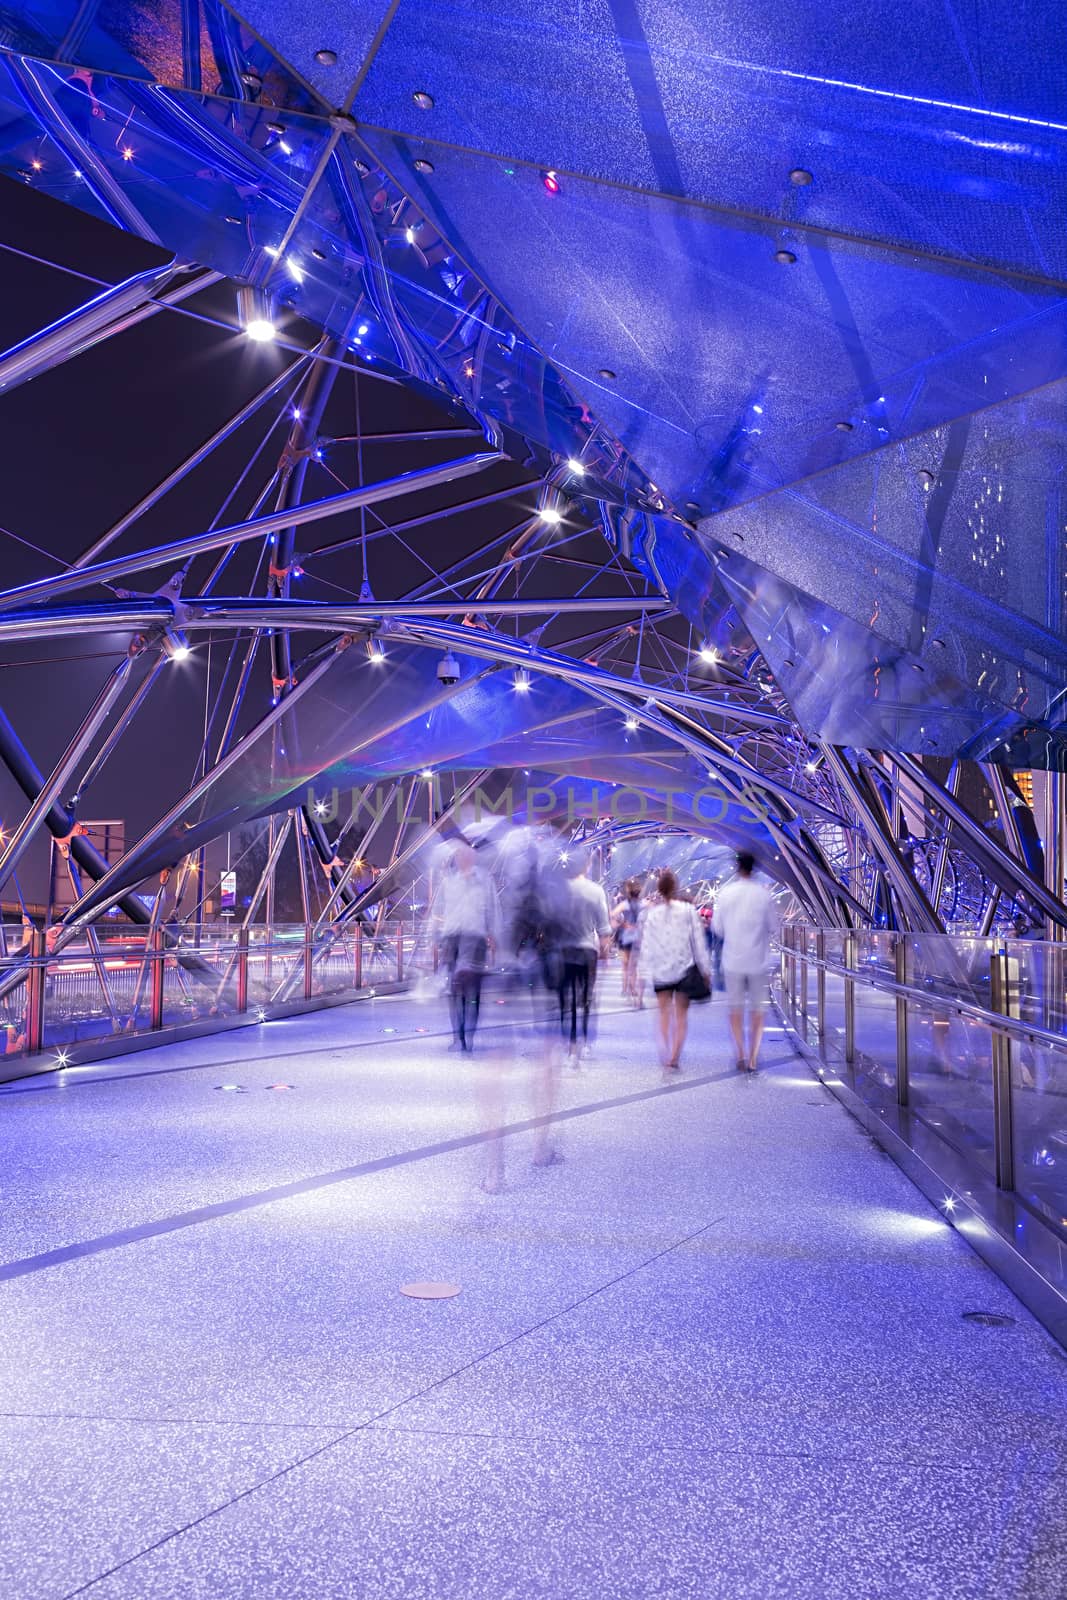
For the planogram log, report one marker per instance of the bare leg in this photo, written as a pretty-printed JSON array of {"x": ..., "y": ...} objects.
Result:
[
  {"x": 737, "y": 1028},
  {"x": 755, "y": 1035},
  {"x": 664, "y": 1000},
  {"x": 681, "y": 1025}
]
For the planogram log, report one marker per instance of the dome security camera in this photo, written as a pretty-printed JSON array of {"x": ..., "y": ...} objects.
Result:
[{"x": 448, "y": 670}]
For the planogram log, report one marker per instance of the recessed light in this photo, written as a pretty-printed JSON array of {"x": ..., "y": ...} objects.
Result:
[
  {"x": 422, "y": 165},
  {"x": 926, "y": 478},
  {"x": 320, "y": 255},
  {"x": 938, "y": 644},
  {"x": 275, "y": 127},
  {"x": 251, "y": 80},
  {"x": 800, "y": 176},
  {"x": 362, "y": 168},
  {"x": 235, "y": 220},
  {"x": 843, "y": 427},
  {"x": 326, "y": 58},
  {"x": 605, "y": 372},
  {"x": 784, "y": 257},
  {"x": 423, "y": 100}
]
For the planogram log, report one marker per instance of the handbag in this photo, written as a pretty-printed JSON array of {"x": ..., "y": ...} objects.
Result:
[{"x": 693, "y": 983}]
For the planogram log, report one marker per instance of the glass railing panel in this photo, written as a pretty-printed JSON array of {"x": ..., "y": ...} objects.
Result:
[
  {"x": 950, "y": 1076},
  {"x": 876, "y": 1038}
]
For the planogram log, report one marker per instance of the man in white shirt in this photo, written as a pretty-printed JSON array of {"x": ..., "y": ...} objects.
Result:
[{"x": 746, "y": 919}]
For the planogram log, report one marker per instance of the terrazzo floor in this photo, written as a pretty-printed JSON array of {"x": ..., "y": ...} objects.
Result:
[{"x": 715, "y": 1348}]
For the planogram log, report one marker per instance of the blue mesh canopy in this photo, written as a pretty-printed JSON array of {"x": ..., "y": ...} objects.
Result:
[{"x": 790, "y": 279}]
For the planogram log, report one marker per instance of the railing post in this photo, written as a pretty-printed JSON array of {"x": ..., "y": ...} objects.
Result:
[
  {"x": 1003, "y": 1117},
  {"x": 358, "y": 967},
  {"x": 783, "y": 960},
  {"x": 820, "y": 989},
  {"x": 35, "y": 993},
  {"x": 156, "y": 960},
  {"x": 400, "y": 952},
  {"x": 309, "y": 954},
  {"x": 850, "y": 999},
  {"x": 804, "y": 981},
  {"x": 242, "y": 969},
  {"x": 901, "y": 969}
]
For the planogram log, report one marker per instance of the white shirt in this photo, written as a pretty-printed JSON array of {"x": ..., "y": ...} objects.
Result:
[
  {"x": 746, "y": 919},
  {"x": 466, "y": 903},
  {"x": 589, "y": 909},
  {"x": 672, "y": 941}
]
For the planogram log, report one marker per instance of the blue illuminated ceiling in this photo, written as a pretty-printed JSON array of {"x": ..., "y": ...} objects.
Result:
[{"x": 797, "y": 297}]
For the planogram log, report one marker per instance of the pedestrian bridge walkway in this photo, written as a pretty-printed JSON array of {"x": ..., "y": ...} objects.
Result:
[{"x": 717, "y": 1346}]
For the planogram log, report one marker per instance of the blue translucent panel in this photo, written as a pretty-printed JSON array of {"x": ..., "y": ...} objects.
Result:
[
  {"x": 914, "y": 130},
  {"x": 363, "y": 721},
  {"x": 196, "y": 44},
  {"x": 952, "y": 549},
  {"x": 847, "y": 684},
  {"x": 209, "y": 180},
  {"x": 298, "y": 31},
  {"x": 731, "y": 370}
]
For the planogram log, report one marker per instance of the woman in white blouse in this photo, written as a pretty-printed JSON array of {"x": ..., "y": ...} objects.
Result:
[{"x": 672, "y": 944}]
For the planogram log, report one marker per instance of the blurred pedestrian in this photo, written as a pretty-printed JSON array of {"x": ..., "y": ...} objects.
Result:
[
  {"x": 466, "y": 929},
  {"x": 674, "y": 955},
  {"x": 746, "y": 919},
  {"x": 625, "y": 917},
  {"x": 584, "y": 941}
]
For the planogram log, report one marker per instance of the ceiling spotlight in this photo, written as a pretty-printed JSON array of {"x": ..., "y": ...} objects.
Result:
[
  {"x": 320, "y": 255},
  {"x": 575, "y": 466},
  {"x": 551, "y": 182},
  {"x": 800, "y": 176},
  {"x": 422, "y": 165},
  {"x": 522, "y": 681},
  {"x": 326, "y": 58},
  {"x": 275, "y": 127},
  {"x": 175, "y": 645},
  {"x": 843, "y": 427},
  {"x": 784, "y": 258},
  {"x": 409, "y": 235},
  {"x": 423, "y": 100},
  {"x": 375, "y": 653},
  {"x": 550, "y": 514},
  {"x": 427, "y": 773},
  {"x": 811, "y": 766},
  {"x": 631, "y": 724},
  {"x": 709, "y": 655},
  {"x": 253, "y": 311}
]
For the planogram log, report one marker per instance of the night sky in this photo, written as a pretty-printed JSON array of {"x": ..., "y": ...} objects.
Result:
[{"x": 84, "y": 442}]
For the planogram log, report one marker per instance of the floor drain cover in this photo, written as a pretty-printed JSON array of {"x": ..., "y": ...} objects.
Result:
[
  {"x": 989, "y": 1319},
  {"x": 429, "y": 1291}
]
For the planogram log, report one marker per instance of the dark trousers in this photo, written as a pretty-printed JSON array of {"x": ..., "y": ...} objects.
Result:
[
  {"x": 576, "y": 992},
  {"x": 465, "y": 987}
]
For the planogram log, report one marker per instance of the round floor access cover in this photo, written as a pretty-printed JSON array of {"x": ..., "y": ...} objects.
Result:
[{"x": 429, "y": 1291}]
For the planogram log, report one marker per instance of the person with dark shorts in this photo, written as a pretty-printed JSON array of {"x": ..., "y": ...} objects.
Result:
[
  {"x": 672, "y": 945},
  {"x": 625, "y": 917}
]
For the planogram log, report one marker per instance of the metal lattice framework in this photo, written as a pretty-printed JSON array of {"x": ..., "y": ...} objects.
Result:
[{"x": 601, "y": 647}]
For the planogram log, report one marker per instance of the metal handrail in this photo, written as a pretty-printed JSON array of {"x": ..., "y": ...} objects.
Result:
[{"x": 995, "y": 1020}]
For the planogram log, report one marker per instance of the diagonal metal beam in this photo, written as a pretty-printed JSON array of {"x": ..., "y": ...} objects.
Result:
[
  {"x": 63, "y": 770},
  {"x": 179, "y": 551}
]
